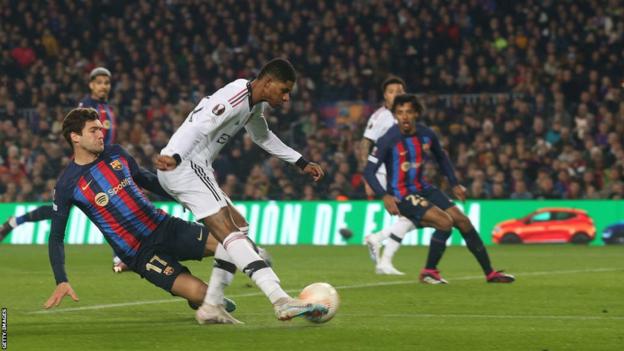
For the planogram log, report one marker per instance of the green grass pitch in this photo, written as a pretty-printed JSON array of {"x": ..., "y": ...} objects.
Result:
[{"x": 565, "y": 298}]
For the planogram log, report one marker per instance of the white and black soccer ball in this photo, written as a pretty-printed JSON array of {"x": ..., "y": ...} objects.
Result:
[{"x": 324, "y": 294}]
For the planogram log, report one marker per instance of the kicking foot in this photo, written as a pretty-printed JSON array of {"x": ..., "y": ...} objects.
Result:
[
  {"x": 288, "y": 308},
  {"x": 431, "y": 276},
  {"x": 211, "y": 314}
]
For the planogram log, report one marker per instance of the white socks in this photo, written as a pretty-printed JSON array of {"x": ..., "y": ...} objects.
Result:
[
  {"x": 243, "y": 255},
  {"x": 221, "y": 277},
  {"x": 394, "y": 235}
]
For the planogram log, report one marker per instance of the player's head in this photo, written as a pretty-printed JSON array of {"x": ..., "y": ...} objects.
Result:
[
  {"x": 82, "y": 129},
  {"x": 100, "y": 83},
  {"x": 391, "y": 87},
  {"x": 276, "y": 80},
  {"x": 407, "y": 110}
]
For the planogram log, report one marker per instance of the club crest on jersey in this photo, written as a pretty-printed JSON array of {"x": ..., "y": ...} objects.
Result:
[
  {"x": 106, "y": 124},
  {"x": 169, "y": 270},
  {"x": 101, "y": 199},
  {"x": 218, "y": 110},
  {"x": 116, "y": 165}
]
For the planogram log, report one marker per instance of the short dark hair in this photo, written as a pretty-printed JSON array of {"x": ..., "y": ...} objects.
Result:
[
  {"x": 280, "y": 69},
  {"x": 99, "y": 71},
  {"x": 75, "y": 121},
  {"x": 407, "y": 98},
  {"x": 391, "y": 80}
]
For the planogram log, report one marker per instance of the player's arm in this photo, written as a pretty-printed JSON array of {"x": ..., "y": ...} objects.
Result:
[
  {"x": 447, "y": 167},
  {"x": 375, "y": 159},
  {"x": 56, "y": 250},
  {"x": 258, "y": 129},
  {"x": 144, "y": 178},
  {"x": 366, "y": 145},
  {"x": 205, "y": 118}
]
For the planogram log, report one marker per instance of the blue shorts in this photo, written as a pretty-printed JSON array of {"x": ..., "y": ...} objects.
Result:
[
  {"x": 414, "y": 206},
  {"x": 174, "y": 240}
]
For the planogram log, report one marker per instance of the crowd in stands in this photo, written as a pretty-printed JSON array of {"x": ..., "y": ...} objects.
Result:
[{"x": 527, "y": 96}]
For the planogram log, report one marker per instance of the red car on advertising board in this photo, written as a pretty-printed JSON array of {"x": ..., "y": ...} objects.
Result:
[{"x": 547, "y": 225}]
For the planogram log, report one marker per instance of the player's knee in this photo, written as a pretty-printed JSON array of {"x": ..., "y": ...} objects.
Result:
[
  {"x": 220, "y": 224},
  {"x": 445, "y": 223},
  {"x": 463, "y": 224}
]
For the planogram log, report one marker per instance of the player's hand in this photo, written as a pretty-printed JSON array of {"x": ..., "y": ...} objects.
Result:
[
  {"x": 369, "y": 191},
  {"x": 314, "y": 170},
  {"x": 165, "y": 163},
  {"x": 390, "y": 202},
  {"x": 59, "y": 293},
  {"x": 460, "y": 192}
]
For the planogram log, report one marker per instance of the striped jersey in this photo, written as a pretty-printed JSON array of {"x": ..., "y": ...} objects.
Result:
[
  {"x": 107, "y": 191},
  {"x": 217, "y": 118},
  {"x": 378, "y": 124},
  {"x": 107, "y": 117},
  {"x": 404, "y": 157}
]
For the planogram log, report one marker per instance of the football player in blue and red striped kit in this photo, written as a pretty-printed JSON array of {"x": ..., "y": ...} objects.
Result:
[
  {"x": 99, "y": 86},
  {"x": 404, "y": 150}
]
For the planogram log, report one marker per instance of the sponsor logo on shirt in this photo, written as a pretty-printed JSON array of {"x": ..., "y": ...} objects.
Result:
[
  {"x": 101, "y": 199},
  {"x": 405, "y": 166}
]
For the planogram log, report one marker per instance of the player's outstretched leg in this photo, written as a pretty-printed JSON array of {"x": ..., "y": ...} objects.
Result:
[
  {"x": 39, "y": 214},
  {"x": 244, "y": 256},
  {"x": 477, "y": 248},
  {"x": 7, "y": 227}
]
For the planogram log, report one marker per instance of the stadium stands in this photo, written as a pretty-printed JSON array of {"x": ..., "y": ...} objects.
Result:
[{"x": 527, "y": 96}]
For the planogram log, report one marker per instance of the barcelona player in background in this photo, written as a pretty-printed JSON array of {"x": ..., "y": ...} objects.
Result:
[{"x": 404, "y": 150}]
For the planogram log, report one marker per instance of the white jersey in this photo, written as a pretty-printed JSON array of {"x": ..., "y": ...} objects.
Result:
[
  {"x": 378, "y": 124},
  {"x": 216, "y": 119}
]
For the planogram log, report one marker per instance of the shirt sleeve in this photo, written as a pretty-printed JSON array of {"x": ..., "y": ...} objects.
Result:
[
  {"x": 375, "y": 160},
  {"x": 378, "y": 125},
  {"x": 258, "y": 129},
  {"x": 204, "y": 119},
  {"x": 56, "y": 248},
  {"x": 442, "y": 159},
  {"x": 144, "y": 178}
]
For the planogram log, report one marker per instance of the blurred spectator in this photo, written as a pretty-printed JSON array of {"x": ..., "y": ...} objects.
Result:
[{"x": 527, "y": 95}]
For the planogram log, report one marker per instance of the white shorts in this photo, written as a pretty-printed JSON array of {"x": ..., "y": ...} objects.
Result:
[{"x": 195, "y": 187}]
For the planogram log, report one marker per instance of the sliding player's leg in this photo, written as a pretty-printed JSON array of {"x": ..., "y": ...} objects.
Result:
[{"x": 39, "y": 214}]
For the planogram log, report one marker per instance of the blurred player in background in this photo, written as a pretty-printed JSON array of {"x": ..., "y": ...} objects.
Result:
[
  {"x": 186, "y": 173},
  {"x": 404, "y": 150},
  {"x": 100, "y": 86},
  {"x": 379, "y": 122}
]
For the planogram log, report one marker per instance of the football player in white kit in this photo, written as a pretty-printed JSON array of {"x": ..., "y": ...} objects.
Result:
[
  {"x": 185, "y": 171},
  {"x": 378, "y": 123}
]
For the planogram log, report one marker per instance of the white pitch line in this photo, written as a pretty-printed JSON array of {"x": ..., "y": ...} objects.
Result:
[
  {"x": 488, "y": 316},
  {"x": 343, "y": 287}
]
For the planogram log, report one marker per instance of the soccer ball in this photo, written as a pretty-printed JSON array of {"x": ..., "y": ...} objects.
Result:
[{"x": 324, "y": 294}]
